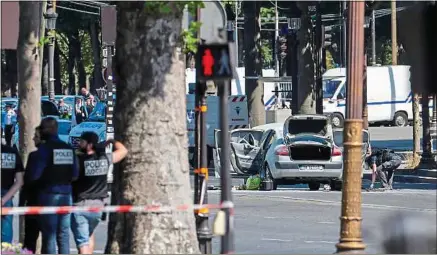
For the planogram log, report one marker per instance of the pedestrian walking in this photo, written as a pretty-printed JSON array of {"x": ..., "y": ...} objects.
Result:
[
  {"x": 29, "y": 197},
  {"x": 383, "y": 164},
  {"x": 9, "y": 120},
  {"x": 91, "y": 188},
  {"x": 11, "y": 182},
  {"x": 54, "y": 167}
]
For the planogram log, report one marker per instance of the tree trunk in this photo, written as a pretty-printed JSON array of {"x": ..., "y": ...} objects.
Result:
[
  {"x": 97, "y": 81},
  {"x": 80, "y": 68},
  {"x": 306, "y": 103},
  {"x": 12, "y": 72},
  {"x": 42, "y": 49},
  {"x": 416, "y": 129},
  {"x": 29, "y": 76},
  {"x": 253, "y": 62},
  {"x": 71, "y": 75},
  {"x": 45, "y": 72},
  {"x": 152, "y": 91},
  {"x": 57, "y": 75}
]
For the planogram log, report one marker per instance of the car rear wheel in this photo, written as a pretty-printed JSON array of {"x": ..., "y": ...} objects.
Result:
[
  {"x": 270, "y": 176},
  {"x": 314, "y": 186},
  {"x": 337, "y": 120}
]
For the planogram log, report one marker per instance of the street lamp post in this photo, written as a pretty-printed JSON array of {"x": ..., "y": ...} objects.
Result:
[
  {"x": 350, "y": 234},
  {"x": 51, "y": 17}
]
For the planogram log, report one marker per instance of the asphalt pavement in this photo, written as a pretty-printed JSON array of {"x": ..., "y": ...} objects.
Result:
[{"x": 296, "y": 220}]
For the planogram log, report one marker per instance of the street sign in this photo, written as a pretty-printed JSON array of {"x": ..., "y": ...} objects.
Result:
[{"x": 213, "y": 62}]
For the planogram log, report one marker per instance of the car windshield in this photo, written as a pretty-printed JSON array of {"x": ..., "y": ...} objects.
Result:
[
  {"x": 64, "y": 127},
  {"x": 329, "y": 87},
  {"x": 99, "y": 113},
  {"x": 314, "y": 126},
  {"x": 338, "y": 137}
]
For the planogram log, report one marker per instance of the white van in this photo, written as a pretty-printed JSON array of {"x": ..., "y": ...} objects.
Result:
[{"x": 389, "y": 96}]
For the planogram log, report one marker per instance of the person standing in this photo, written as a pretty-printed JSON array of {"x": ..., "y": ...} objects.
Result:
[
  {"x": 89, "y": 105},
  {"x": 11, "y": 182},
  {"x": 85, "y": 93},
  {"x": 91, "y": 188},
  {"x": 54, "y": 168},
  {"x": 80, "y": 111},
  {"x": 10, "y": 119},
  {"x": 29, "y": 197}
]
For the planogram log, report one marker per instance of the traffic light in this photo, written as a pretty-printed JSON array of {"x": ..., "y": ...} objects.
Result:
[
  {"x": 326, "y": 35},
  {"x": 213, "y": 62}
]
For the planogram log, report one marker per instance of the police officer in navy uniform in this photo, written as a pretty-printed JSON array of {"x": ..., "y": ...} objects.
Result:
[
  {"x": 54, "y": 168},
  {"x": 91, "y": 188},
  {"x": 29, "y": 197},
  {"x": 11, "y": 182}
]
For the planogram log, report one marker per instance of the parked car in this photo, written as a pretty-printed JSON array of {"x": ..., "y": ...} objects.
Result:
[{"x": 299, "y": 151}]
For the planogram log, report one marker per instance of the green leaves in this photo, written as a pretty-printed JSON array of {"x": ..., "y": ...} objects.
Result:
[{"x": 189, "y": 37}]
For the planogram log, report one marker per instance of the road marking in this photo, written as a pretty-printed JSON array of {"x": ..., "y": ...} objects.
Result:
[
  {"x": 274, "y": 239},
  {"x": 308, "y": 200},
  {"x": 328, "y": 242},
  {"x": 326, "y": 222}
]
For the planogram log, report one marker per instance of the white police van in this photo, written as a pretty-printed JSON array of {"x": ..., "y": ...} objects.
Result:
[{"x": 389, "y": 96}]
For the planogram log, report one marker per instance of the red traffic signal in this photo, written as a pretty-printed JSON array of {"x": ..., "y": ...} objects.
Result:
[{"x": 213, "y": 62}]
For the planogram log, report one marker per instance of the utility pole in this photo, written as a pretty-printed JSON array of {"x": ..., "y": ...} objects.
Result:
[
  {"x": 365, "y": 110},
  {"x": 373, "y": 28},
  {"x": 51, "y": 17},
  {"x": 236, "y": 34},
  {"x": 276, "y": 55},
  {"x": 350, "y": 234},
  {"x": 344, "y": 33},
  {"x": 394, "y": 38},
  {"x": 320, "y": 40}
]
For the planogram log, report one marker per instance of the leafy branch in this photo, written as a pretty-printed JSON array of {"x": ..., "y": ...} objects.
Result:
[{"x": 189, "y": 37}]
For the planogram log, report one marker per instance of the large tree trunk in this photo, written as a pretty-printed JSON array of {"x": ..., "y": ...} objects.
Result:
[
  {"x": 97, "y": 80},
  {"x": 45, "y": 72},
  {"x": 71, "y": 75},
  {"x": 253, "y": 62},
  {"x": 12, "y": 72},
  {"x": 152, "y": 125},
  {"x": 29, "y": 77},
  {"x": 80, "y": 68},
  {"x": 57, "y": 75},
  {"x": 306, "y": 103},
  {"x": 416, "y": 129}
]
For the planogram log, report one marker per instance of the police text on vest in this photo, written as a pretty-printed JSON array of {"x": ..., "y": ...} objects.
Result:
[
  {"x": 63, "y": 157},
  {"x": 8, "y": 160},
  {"x": 96, "y": 167}
]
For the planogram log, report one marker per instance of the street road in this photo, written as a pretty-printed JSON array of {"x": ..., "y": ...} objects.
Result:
[
  {"x": 396, "y": 138},
  {"x": 296, "y": 220}
]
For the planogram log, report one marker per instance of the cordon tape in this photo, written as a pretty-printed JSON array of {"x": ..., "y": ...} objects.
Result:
[{"x": 36, "y": 210}]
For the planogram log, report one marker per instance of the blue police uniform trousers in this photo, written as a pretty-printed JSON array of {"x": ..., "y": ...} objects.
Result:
[
  {"x": 55, "y": 228},
  {"x": 7, "y": 220}
]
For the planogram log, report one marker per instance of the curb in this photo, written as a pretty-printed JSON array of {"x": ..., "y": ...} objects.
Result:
[{"x": 408, "y": 179}]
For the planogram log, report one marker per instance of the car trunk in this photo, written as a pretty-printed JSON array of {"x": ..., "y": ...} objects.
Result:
[{"x": 306, "y": 140}]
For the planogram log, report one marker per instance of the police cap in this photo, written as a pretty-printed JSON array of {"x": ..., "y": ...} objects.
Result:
[{"x": 90, "y": 137}]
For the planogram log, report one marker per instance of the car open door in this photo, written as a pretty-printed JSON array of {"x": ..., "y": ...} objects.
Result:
[{"x": 244, "y": 151}]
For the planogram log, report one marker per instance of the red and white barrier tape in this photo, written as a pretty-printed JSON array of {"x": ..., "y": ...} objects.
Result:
[{"x": 36, "y": 210}]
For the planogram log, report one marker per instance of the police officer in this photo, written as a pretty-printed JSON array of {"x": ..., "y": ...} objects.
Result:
[
  {"x": 11, "y": 180},
  {"x": 10, "y": 119},
  {"x": 29, "y": 197},
  {"x": 384, "y": 163},
  {"x": 91, "y": 188},
  {"x": 54, "y": 167}
]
